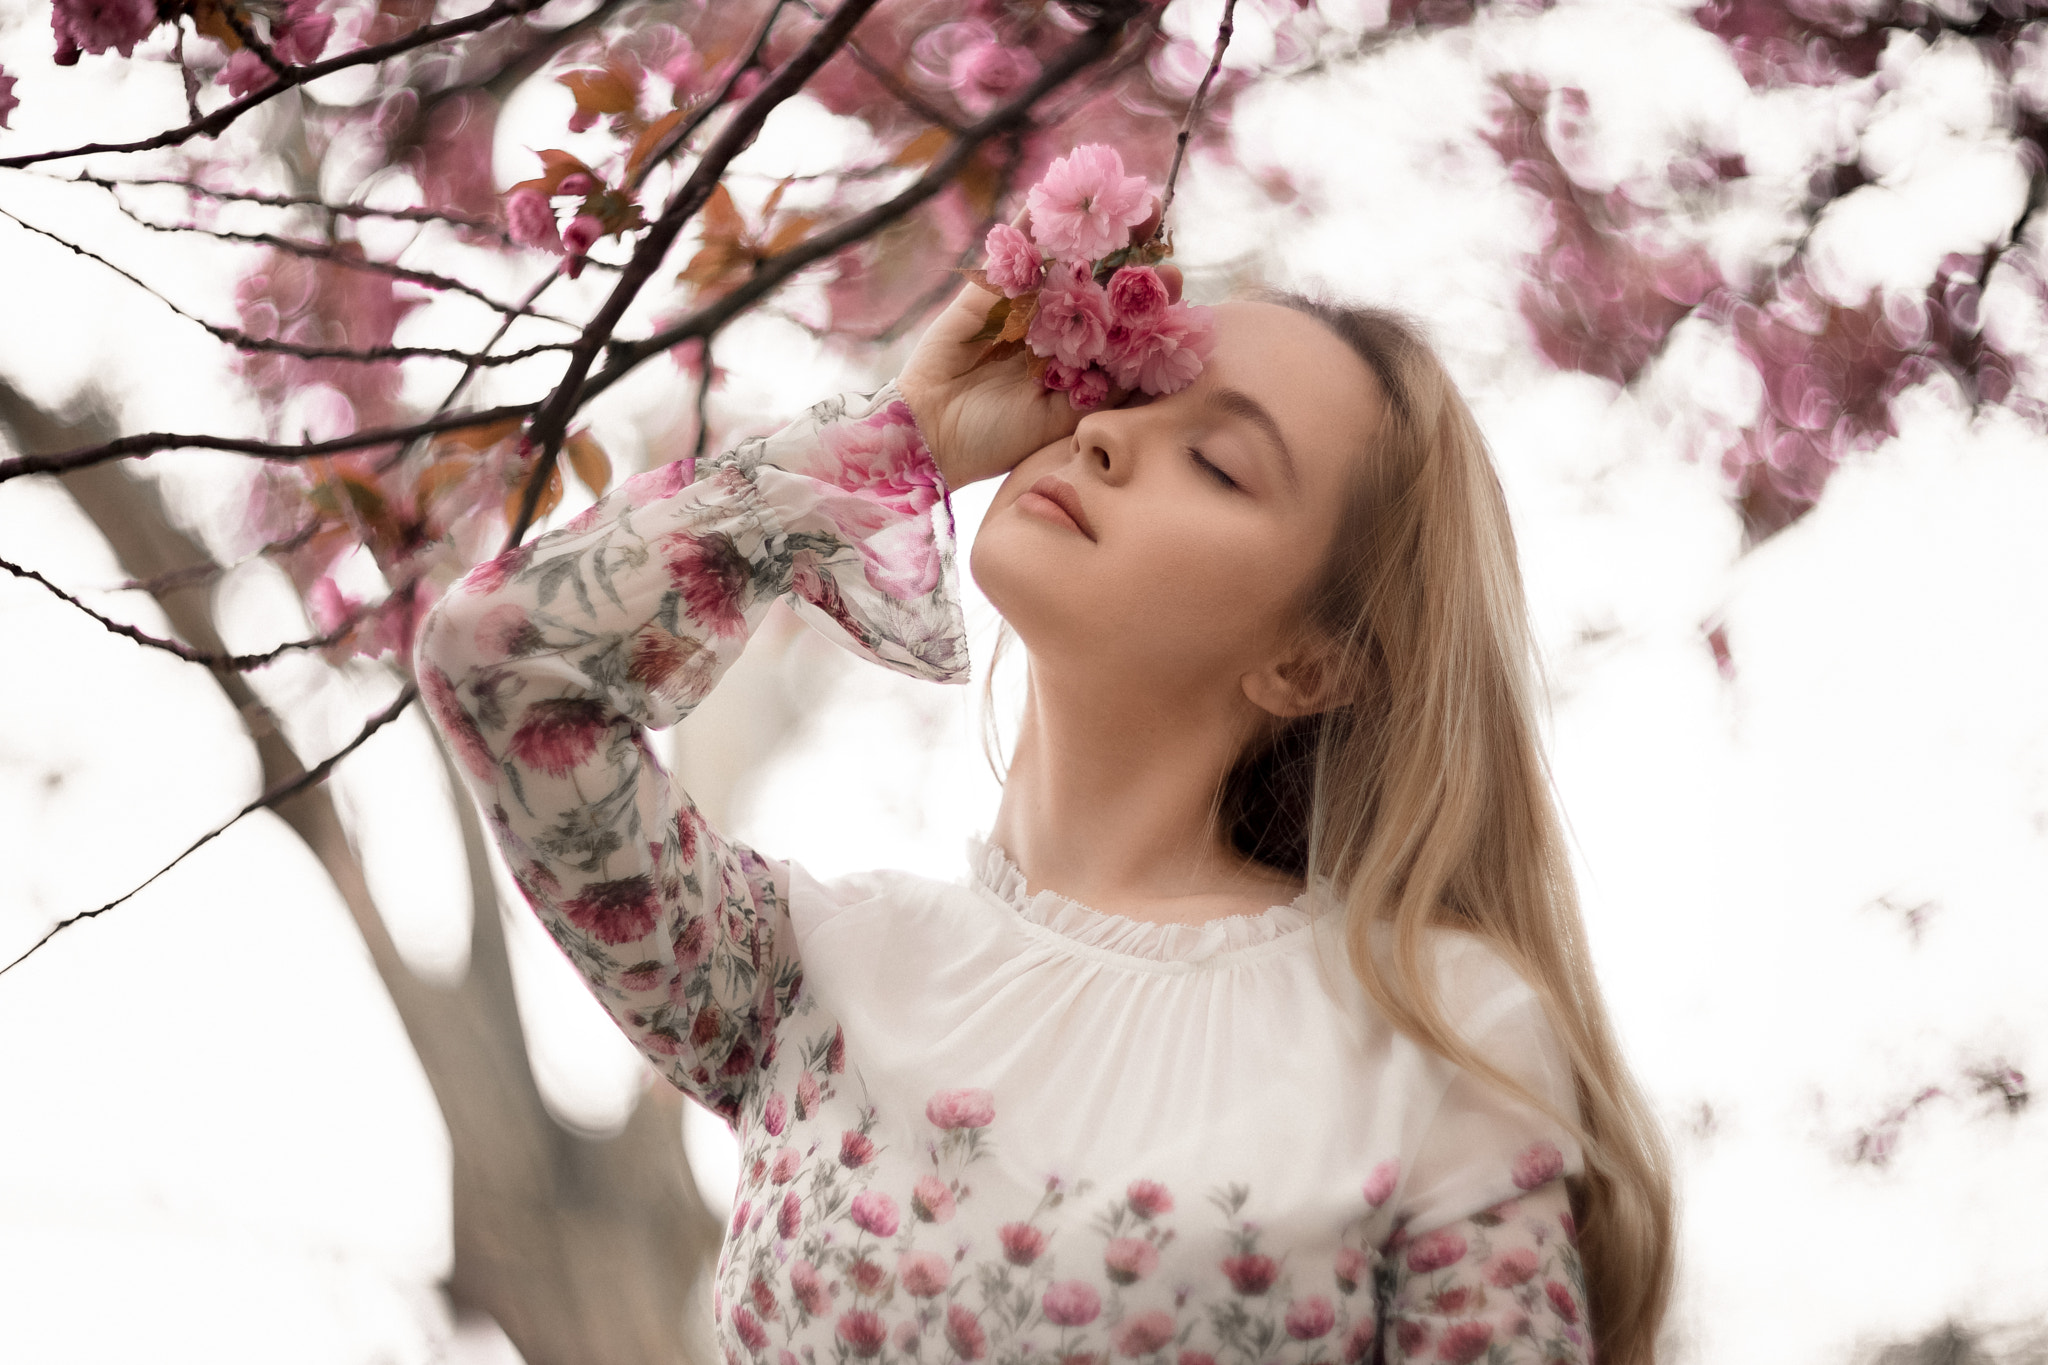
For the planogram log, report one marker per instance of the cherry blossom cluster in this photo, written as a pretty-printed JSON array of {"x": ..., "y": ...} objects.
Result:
[
  {"x": 299, "y": 31},
  {"x": 1086, "y": 302}
]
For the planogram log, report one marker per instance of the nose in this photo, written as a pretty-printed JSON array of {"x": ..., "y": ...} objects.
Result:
[{"x": 1105, "y": 440}]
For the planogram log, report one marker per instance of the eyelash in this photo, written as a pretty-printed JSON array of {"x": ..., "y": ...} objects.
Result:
[{"x": 1227, "y": 481}]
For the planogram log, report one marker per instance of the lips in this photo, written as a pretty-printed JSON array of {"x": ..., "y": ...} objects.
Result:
[{"x": 1057, "y": 490}]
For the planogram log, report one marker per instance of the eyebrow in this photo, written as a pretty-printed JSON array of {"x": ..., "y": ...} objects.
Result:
[{"x": 1238, "y": 403}]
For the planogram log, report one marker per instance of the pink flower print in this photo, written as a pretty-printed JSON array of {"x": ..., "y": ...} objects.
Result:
[
  {"x": 964, "y": 1334},
  {"x": 809, "y": 1288},
  {"x": 1411, "y": 1336},
  {"x": 775, "y": 1114},
  {"x": 1085, "y": 205},
  {"x": 906, "y": 1336},
  {"x": 1449, "y": 1302},
  {"x": 1434, "y": 1250},
  {"x": 784, "y": 1168},
  {"x": 739, "y": 1216},
  {"x": 1512, "y": 1267},
  {"x": 438, "y": 691},
  {"x": 705, "y": 1027},
  {"x": 712, "y": 575},
  {"x": 856, "y": 1149},
  {"x": 984, "y": 74},
  {"x": 1137, "y": 295},
  {"x": 1358, "y": 1346},
  {"x": 1071, "y": 1303},
  {"x": 1539, "y": 1164},
  {"x": 835, "y": 1053},
  {"x": 1166, "y": 355},
  {"x": 868, "y": 1275},
  {"x": 503, "y": 631},
  {"x": 1022, "y": 1243},
  {"x": 691, "y": 945},
  {"x": 532, "y": 220},
  {"x": 1143, "y": 1334},
  {"x": 1126, "y": 1260},
  {"x": 923, "y": 1274},
  {"x": 757, "y": 1171},
  {"x": 1014, "y": 266},
  {"x": 930, "y": 1200},
  {"x": 737, "y": 1061},
  {"x": 876, "y": 1212},
  {"x": 1351, "y": 1268},
  {"x": 1149, "y": 1198},
  {"x": 763, "y": 1297},
  {"x": 1251, "y": 1274},
  {"x": 662, "y": 1041},
  {"x": 1195, "y": 1358},
  {"x": 493, "y": 574},
  {"x": 950, "y": 1109},
  {"x": 1310, "y": 1318},
  {"x": 789, "y": 1219},
  {"x": 883, "y": 457},
  {"x": 1464, "y": 1342},
  {"x": 1379, "y": 1186},
  {"x": 1071, "y": 324},
  {"x": 97, "y": 25},
  {"x": 557, "y": 735},
  {"x": 616, "y": 911},
  {"x": 1561, "y": 1299},
  {"x": 806, "y": 1095},
  {"x": 750, "y": 1329},
  {"x": 1564, "y": 1220},
  {"x": 863, "y": 1331}
]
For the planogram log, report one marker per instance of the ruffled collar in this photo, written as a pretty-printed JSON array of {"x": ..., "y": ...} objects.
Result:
[{"x": 993, "y": 871}]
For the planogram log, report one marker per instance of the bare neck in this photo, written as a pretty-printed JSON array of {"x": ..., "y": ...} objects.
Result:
[{"x": 1110, "y": 805}]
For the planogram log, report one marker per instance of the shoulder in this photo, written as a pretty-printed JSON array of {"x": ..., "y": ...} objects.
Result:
[{"x": 1476, "y": 982}]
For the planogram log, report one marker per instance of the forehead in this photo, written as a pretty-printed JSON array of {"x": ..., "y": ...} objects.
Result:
[{"x": 1322, "y": 394}]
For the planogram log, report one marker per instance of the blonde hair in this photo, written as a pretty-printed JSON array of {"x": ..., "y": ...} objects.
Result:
[{"x": 1425, "y": 796}]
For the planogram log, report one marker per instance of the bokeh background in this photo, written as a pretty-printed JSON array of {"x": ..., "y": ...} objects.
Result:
[{"x": 1797, "y": 659}]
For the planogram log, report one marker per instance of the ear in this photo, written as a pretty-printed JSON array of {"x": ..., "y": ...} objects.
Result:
[{"x": 1299, "y": 683}]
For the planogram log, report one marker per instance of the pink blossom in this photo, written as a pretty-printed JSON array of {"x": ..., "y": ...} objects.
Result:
[
  {"x": 855, "y": 1149},
  {"x": 532, "y": 220},
  {"x": 1512, "y": 1267},
  {"x": 964, "y": 1334},
  {"x": 876, "y": 1212},
  {"x": 965, "y": 1108},
  {"x": 984, "y": 74},
  {"x": 300, "y": 35},
  {"x": 1013, "y": 266},
  {"x": 1143, "y": 1334},
  {"x": 1251, "y": 1273},
  {"x": 923, "y": 1274},
  {"x": 577, "y": 239},
  {"x": 1310, "y": 1318},
  {"x": 931, "y": 1200},
  {"x": 575, "y": 185},
  {"x": 8, "y": 102},
  {"x": 863, "y": 1331},
  {"x": 1539, "y": 1164},
  {"x": 97, "y": 25},
  {"x": 1126, "y": 1260},
  {"x": 1435, "y": 1250},
  {"x": 1137, "y": 295},
  {"x": 1022, "y": 1243},
  {"x": 809, "y": 1287},
  {"x": 1351, "y": 1268},
  {"x": 1073, "y": 317},
  {"x": 1149, "y": 1198},
  {"x": 1164, "y": 356},
  {"x": 1071, "y": 1303},
  {"x": 1379, "y": 1186},
  {"x": 1464, "y": 1342},
  {"x": 1085, "y": 206},
  {"x": 246, "y": 73},
  {"x": 615, "y": 911},
  {"x": 558, "y": 734},
  {"x": 1090, "y": 390}
]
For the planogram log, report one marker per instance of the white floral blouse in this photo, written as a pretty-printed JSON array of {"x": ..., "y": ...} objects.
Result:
[{"x": 978, "y": 1124}]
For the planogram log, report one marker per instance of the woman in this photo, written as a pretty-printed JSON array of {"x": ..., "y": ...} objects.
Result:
[{"x": 1260, "y": 1028}]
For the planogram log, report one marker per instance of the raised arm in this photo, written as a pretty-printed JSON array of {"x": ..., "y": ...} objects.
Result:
[{"x": 543, "y": 667}]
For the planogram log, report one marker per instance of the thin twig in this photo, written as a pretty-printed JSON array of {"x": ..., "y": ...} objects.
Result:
[
  {"x": 1224, "y": 29},
  {"x": 292, "y": 201},
  {"x": 281, "y": 792}
]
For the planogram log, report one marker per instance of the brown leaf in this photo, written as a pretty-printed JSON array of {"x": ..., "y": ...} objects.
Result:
[
  {"x": 209, "y": 20},
  {"x": 644, "y": 146},
  {"x": 923, "y": 149},
  {"x": 549, "y": 496},
  {"x": 793, "y": 230},
  {"x": 589, "y": 461},
  {"x": 992, "y": 326},
  {"x": 608, "y": 91},
  {"x": 1022, "y": 310},
  {"x": 483, "y": 436},
  {"x": 722, "y": 217},
  {"x": 998, "y": 351}
]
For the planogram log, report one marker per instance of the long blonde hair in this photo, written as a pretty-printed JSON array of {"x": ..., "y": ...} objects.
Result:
[{"x": 1425, "y": 795}]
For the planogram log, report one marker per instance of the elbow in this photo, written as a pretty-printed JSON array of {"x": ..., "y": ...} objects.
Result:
[{"x": 447, "y": 636}]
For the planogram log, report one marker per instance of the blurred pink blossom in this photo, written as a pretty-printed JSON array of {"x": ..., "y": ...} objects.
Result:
[
  {"x": 577, "y": 239},
  {"x": 532, "y": 220},
  {"x": 8, "y": 102},
  {"x": 301, "y": 34},
  {"x": 1014, "y": 265},
  {"x": 987, "y": 73},
  {"x": 575, "y": 185},
  {"x": 245, "y": 73},
  {"x": 97, "y": 25},
  {"x": 1072, "y": 321},
  {"x": 1085, "y": 206}
]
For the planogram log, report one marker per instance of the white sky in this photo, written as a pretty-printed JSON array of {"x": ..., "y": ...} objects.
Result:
[{"x": 211, "y": 1111}]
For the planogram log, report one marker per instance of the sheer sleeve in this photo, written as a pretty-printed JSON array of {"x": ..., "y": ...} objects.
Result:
[{"x": 542, "y": 668}]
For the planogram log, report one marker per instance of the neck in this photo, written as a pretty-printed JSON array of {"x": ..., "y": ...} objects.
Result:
[{"x": 1110, "y": 804}]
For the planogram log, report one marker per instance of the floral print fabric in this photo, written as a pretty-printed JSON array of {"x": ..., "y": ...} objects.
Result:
[{"x": 944, "y": 1156}]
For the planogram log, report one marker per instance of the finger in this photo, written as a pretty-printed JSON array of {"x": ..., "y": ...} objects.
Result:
[
  {"x": 1169, "y": 275},
  {"x": 1143, "y": 231}
]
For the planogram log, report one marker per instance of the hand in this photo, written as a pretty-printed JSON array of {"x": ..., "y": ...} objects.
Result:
[{"x": 981, "y": 422}]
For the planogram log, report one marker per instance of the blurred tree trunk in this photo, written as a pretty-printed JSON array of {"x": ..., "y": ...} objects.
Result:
[{"x": 585, "y": 1250}]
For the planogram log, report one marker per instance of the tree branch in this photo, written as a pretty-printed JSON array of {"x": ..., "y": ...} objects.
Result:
[{"x": 1224, "y": 29}]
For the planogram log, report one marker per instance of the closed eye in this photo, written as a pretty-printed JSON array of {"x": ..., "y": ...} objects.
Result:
[{"x": 1196, "y": 455}]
